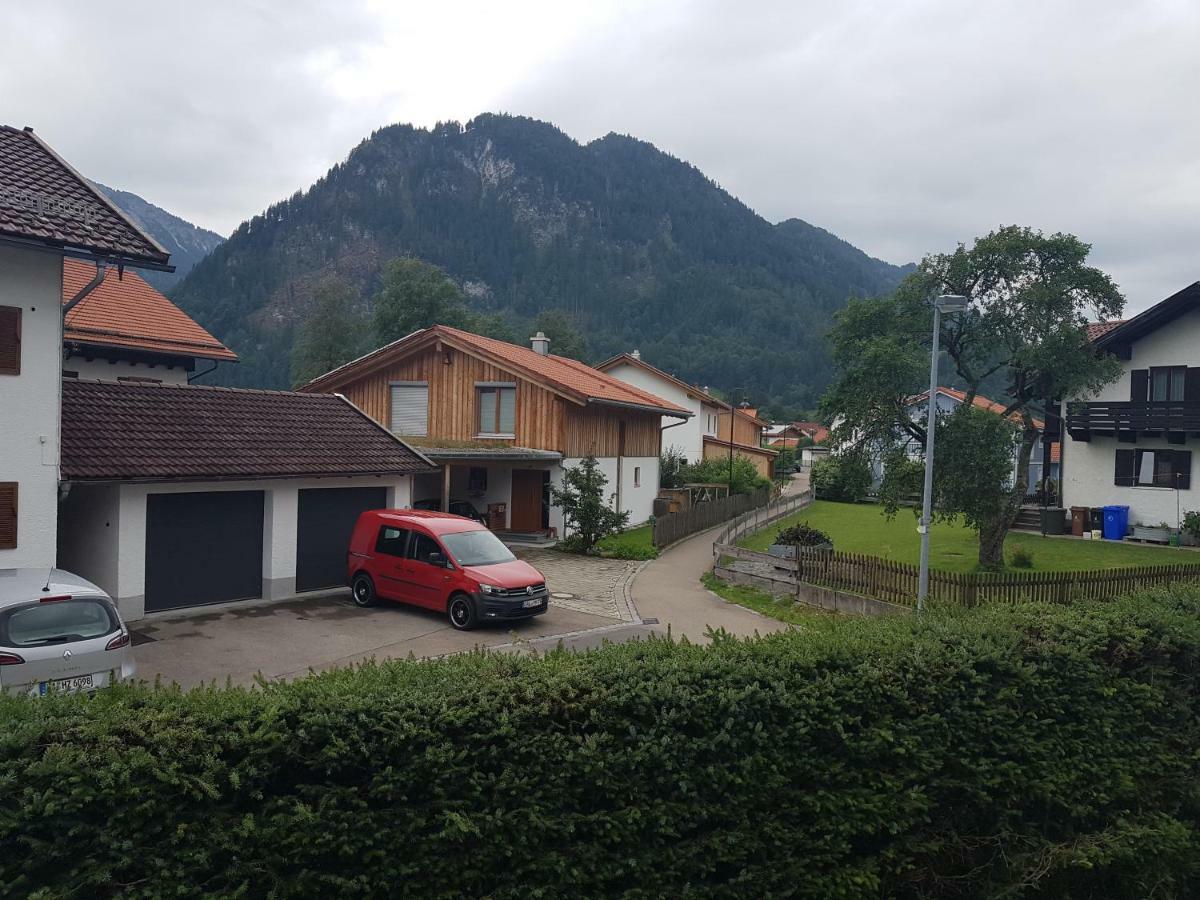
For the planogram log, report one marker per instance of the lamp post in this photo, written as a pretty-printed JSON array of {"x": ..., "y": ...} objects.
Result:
[{"x": 946, "y": 303}]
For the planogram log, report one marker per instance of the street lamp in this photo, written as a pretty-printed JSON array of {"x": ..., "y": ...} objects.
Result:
[{"x": 948, "y": 304}]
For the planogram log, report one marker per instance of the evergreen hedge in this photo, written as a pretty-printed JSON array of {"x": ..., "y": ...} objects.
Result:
[{"x": 1002, "y": 752}]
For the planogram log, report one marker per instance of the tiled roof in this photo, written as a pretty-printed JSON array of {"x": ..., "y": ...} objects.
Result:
[
  {"x": 569, "y": 376},
  {"x": 980, "y": 402},
  {"x": 695, "y": 391},
  {"x": 749, "y": 448},
  {"x": 1056, "y": 452},
  {"x": 43, "y": 199},
  {"x": 124, "y": 311},
  {"x": 173, "y": 432},
  {"x": 1099, "y": 329}
]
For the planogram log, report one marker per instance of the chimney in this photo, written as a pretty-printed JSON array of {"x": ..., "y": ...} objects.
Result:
[
  {"x": 636, "y": 354},
  {"x": 540, "y": 344}
]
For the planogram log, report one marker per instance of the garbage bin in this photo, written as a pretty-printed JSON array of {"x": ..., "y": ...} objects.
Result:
[
  {"x": 1116, "y": 518},
  {"x": 1097, "y": 518},
  {"x": 1079, "y": 520},
  {"x": 1053, "y": 519}
]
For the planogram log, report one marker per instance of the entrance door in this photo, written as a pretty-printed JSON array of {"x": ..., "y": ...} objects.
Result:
[
  {"x": 203, "y": 547},
  {"x": 325, "y": 519},
  {"x": 525, "y": 511}
]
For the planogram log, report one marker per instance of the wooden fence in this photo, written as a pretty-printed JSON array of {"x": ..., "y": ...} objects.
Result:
[
  {"x": 896, "y": 582},
  {"x": 670, "y": 528}
]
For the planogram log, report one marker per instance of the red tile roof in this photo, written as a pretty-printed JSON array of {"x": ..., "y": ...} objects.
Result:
[
  {"x": 124, "y": 311},
  {"x": 697, "y": 392},
  {"x": 569, "y": 376},
  {"x": 980, "y": 402},
  {"x": 114, "y": 431},
  {"x": 1056, "y": 452},
  {"x": 43, "y": 199},
  {"x": 1097, "y": 330}
]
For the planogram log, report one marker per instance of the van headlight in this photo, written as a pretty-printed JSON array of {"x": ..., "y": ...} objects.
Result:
[{"x": 490, "y": 589}]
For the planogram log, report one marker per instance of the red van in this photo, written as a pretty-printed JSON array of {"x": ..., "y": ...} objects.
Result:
[{"x": 443, "y": 562}]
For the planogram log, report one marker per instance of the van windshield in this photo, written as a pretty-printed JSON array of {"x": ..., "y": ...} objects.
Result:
[
  {"x": 38, "y": 624},
  {"x": 476, "y": 548}
]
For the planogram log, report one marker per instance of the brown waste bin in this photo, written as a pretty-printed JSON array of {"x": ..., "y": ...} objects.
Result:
[{"x": 1079, "y": 520}]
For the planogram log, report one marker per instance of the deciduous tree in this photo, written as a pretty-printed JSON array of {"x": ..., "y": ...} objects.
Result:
[{"x": 334, "y": 333}]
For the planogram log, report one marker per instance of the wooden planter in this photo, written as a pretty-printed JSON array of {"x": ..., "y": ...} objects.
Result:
[{"x": 1151, "y": 534}]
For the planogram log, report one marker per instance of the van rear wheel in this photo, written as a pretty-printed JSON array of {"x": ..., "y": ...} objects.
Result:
[
  {"x": 461, "y": 612},
  {"x": 362, "y": 588}
]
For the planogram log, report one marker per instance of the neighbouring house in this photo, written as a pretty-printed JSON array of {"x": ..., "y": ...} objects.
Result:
[
  {"x": 1131, "y": 443},
  {"x": 48, "y": 212},
  {"x": 793, "y": 434},
  {"x": 707, "y": 433},
  {"x": 504, "y": 422}
]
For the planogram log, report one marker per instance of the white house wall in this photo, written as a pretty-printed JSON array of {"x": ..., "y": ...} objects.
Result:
[
  {"x": 686, "y": 438},
  {"x": 1176, "y": 344},
  {"x": 89, "y": 536},
  {"x": 103, "y": 370},
  {"x": 1088, "y": 472},
  {"x": 30, "y": 403}
]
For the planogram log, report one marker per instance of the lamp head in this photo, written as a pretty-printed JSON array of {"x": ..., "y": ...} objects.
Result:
[{"x": 951, "y": 303}]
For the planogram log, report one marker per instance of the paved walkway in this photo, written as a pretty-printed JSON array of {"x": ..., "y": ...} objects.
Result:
[{"x": 586, "y": 584}]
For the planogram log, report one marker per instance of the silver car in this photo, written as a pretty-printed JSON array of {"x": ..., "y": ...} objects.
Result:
[{"x": 59, "y": 632}]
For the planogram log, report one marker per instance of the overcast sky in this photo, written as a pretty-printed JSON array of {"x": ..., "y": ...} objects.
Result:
[{"x": 904, "y": 126}]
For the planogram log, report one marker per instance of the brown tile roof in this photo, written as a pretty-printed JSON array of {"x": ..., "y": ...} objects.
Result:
[
  {"x": 124, "y": 311},
  {"x": 571, "y": 377},
  {"x": 43, "y": 199},
  {"x": 172, "y": 432},
  {"x": 1099, "y": 329}
]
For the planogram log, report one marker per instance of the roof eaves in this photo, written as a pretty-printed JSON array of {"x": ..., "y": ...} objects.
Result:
[{"x": 403, "y": 443}]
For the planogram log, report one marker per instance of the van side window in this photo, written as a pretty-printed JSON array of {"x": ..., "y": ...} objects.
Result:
[
  {"x": 421, "y": 546},
  {"x": 391, "y": 541}
]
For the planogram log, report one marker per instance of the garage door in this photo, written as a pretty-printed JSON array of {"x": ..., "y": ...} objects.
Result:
[
  {"x": 204, "y": 547},
  {"x": 326, "y": 518}
]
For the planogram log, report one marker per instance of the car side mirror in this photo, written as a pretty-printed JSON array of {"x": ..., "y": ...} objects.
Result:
[{"x": 439, "y": 560}]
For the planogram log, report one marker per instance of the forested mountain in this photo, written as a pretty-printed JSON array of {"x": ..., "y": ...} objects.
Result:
[
  {"x": 187, "y": 243},
  {"x": 643, "y": 249}
]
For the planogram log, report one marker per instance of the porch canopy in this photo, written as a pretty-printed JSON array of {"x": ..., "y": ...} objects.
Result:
[{"x": 507, "y": 482}]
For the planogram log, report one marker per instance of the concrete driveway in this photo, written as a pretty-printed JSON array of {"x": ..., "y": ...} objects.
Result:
[{"x": 589, "y": 598}]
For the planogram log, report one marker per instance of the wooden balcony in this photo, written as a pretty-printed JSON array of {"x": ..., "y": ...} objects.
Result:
[{"x": 1125, "y": 420}]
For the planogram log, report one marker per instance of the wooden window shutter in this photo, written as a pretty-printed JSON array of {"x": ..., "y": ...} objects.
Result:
[
  {"x": 1124, "y": 475},
  {"x": 8, "y": 515},
  {"x": 10, "y": 340},
  {"x": 410, "y": 409},
  {"x": 1191, "y": 386},
  {"x": 1183, "y": 469},
  {"x": 1139, "y": 385}
]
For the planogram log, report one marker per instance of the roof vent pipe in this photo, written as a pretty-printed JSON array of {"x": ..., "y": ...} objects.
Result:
[{"x": 540, "y": 344}]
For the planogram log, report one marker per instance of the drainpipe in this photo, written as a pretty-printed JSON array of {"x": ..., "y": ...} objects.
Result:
[
  {"x": 97, "y": 280},
  {"x": 196, "y": 376}
]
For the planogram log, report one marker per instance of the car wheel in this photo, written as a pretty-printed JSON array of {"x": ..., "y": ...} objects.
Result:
[
  {"x": 461, "y": 612},
  {"x": 362, "y": 588}
]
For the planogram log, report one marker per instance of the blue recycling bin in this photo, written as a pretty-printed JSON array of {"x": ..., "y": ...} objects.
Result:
[{"x": 1116, "y": 519}]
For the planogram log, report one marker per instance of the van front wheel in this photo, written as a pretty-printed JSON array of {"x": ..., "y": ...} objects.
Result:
[{"x": 461, "y": 612}]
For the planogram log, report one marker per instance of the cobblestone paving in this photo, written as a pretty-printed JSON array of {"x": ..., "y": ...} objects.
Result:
[{"x": 585, "y": 584}]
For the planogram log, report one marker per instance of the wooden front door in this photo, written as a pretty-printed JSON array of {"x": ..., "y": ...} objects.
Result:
[{"x": 525, "y": 511}]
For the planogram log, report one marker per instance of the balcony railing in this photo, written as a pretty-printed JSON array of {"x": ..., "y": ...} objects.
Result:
[{"x": 1132, "y": 417}]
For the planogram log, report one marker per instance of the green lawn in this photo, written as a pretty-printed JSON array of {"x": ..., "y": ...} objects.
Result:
[
  {"x": 862, "y": 528},
  {"x": 636, "y": 543},
  {"x": 783, "y": 609}
]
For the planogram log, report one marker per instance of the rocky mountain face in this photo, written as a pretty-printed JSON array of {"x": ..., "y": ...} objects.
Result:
[
  {"x": 187, "y": 243},
  {"x": 642, "y": 248}
]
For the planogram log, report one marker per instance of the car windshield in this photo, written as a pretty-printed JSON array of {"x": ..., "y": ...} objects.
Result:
[
  {"x": 38, "y": 624},
  {"x": 476, "y": 548}
]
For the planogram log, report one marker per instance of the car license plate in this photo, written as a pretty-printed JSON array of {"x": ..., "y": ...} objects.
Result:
[
  {"x": 68, "y": 685},
  {"x": 536, "y": 602}
]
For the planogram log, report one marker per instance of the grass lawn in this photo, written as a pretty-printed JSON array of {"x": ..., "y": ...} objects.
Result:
[
  {"x": 636, "y": 543},
  {"x": 760, "y": 601},
  {"x": 862, "y": 528}
]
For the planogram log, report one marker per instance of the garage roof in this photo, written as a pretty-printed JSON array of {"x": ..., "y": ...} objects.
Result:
[{"x": 174, "y": 432}]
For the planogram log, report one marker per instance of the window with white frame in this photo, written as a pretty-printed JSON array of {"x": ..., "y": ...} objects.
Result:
[
  {"x": 496, "y": 402},
  {"x": 410, "y": 408}
]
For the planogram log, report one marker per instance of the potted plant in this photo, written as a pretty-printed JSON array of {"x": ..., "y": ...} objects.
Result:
[
  {"x": 1155, "y": 534},
  {"x": 799, "y": 535}
]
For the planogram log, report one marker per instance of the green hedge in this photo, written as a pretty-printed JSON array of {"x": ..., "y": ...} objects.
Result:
[{"x": 1031, "y": 751}]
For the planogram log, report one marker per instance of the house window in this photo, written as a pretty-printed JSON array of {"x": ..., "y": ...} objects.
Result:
[
  {"x": 8, "y": 515},
  {"x": 1154, "y": 468},
  {"x": 10, "y": 340},
  {"x": 1166, "y": 383},
  {"x": 637, "y": 476},
  {"x": 410, "y": 408},
  {"x": 497, "y": 405}
]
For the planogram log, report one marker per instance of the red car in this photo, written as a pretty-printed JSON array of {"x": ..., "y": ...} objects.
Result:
[{"x": 442, "y": 562}]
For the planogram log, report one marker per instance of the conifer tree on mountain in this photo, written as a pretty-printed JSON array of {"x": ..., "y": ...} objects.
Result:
[{"x": 332, "y": 334}]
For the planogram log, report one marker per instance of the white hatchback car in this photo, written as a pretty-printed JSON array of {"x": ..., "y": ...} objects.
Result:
[{"x": 59, "y": 632}]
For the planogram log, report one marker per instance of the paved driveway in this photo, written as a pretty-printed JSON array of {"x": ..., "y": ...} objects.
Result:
[{"x": 589, "y": 599}]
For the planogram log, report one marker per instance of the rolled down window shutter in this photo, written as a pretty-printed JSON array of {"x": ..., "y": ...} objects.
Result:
[
  {"x": 8, "y": 515},
  {"x": 1183, "y": 469},
  {"x": 1191, "y": 385},
  {"x": 10, "y": 340},
  {"x": 508, "y": 411},
  {"x": 410, "y": 409},
  {"x": 487, "y": 411},
  {"x": 1139, "y": 385},
  {"x": 1123, "y": 477}
]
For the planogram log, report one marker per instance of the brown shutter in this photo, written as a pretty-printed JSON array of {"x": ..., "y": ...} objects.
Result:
[
  {"x": 8, "y": 515},
  {"x": 1123, "y": 477},
  {"x": 1139, "y": 385},
  {"x": 1183, "y": 469},
  {"x": 10, "y": 340}
]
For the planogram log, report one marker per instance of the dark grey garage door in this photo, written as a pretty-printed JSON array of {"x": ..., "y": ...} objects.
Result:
[
  {"x": 204, "y": 547},
  {"x": 326, "y": 518}
]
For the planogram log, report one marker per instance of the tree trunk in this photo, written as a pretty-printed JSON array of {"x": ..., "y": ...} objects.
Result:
[{"x": 993, "y": 534}]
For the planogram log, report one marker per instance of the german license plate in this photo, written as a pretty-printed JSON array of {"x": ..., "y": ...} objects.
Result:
[
  {"x": 68, "y": 685},
  {"x": 529, "y": 603}
]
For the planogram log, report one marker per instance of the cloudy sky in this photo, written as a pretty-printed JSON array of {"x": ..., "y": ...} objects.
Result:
[{"x": 904, "y": 126}]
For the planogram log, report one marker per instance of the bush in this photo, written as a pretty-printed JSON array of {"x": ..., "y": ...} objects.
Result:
[
  {"x": 1020, "y": 558},
  {"x": 716, "y": 471},
  {"x": 804, "y": 535},
  {"x": 1015, "y": 751},
  {"x": 845, "y": 477}
]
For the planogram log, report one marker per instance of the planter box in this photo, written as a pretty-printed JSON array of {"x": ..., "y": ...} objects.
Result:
[{"x": 1153, "y": 534}]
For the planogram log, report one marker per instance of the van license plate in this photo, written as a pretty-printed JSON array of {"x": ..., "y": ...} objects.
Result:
[
  {"x": 529, "y": 603},
  {"x": 68, "y": 685}
]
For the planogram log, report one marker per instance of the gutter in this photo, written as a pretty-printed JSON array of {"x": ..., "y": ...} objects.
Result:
[{"x": 675, "y": 414}]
